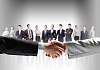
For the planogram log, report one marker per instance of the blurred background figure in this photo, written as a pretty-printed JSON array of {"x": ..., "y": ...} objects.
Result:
[
  {"x": 60, "y": 33},
  {"x": 45, "y": 34},
  {"x": 52, "y": 33},
  {"x": 29, "y": 33},
  {"x": 76, "y": 33},
  {"x": 92, "y": 32},
  {"x": 84, "y": 34},
  {"x": 68, "y": 33},
  {"x": 12, "y": 33},
  {"x": 5, "y": 33},
  {"x": 38, "y": 33},
  {"x": 20, "y": 33}
]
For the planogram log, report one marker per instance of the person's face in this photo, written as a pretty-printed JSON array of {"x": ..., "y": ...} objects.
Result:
[
  {"x": 92, "y": 27},
  {"x": 36, "y": 27},
  {"x": 84, "y": 28},
  {"x": 12, "y": 28},
  {"x": 52, "y": 26},
  {"x": 19, "y": 27},
  {"x": 69, "y": 26},
  {"x": 76, "y": 26},
  {"x": 28, "y": 26},
  {"x": 60, "y": 27},
  {"x": 45, "y": 27},
  {"x": 6, "y": 29}
]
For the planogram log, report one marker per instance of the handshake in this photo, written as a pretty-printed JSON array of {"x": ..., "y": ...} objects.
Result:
[{"x": 54, "y": 49}]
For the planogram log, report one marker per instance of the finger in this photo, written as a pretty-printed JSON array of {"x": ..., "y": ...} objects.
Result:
[
  {"x": 54, "y": 56},
  {"x": 61, "y": 49},
  {"x": 48, "y": 55},
  {"x": 59, "y": 52}
]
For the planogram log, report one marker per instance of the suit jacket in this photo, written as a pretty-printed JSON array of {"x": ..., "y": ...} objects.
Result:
[
  {"x": 68, "y": 34},
  {"x": 52, "y": 35},
  {"x": 15, "y": 46},
  {"x": 21, "y": 35},
  {"x": 26, "y": 34},
  {"x": 83, "y": 47},
  {"x": 61, "y": 35},
  {"x": 84, "y": 35},
  {"x": 45, "y": 37}
]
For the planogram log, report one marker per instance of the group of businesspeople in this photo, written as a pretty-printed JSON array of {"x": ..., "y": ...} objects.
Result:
[
  {"x": 53, "y": 48},
  {"x": 52, "y": 34}
]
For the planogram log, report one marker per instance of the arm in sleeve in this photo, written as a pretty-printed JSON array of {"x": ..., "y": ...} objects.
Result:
[
  {"x": 14, "y": 46},
  {"x": 83, "y": 47}
]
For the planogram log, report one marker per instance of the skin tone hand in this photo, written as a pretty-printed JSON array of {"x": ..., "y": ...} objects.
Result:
[{"x": 54, "y": 49}]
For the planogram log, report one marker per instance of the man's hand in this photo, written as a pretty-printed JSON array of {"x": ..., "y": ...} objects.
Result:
[{"x": 54, "y": 49}]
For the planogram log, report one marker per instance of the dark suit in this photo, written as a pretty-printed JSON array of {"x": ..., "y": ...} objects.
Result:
[
  {"x": 61, "y": 35},
  {"x": 45, "y": 36},
  {"x": 21, "y": 35},
  {"x": 52, "y": 34},
  {"x": 84, "y": 35},
  {"x": 69, "y": 32},
  {"x": 15, "y": 46},
  {"x": 27, "y": 35}
]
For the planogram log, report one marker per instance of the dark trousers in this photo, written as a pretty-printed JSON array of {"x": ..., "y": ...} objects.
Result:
[
  {"x": 76, "y": 38},
  {"x": 61, "y": 39},
  {"x": 68, "y": 38},
  {"x": 45, "y": 41},
  {"x": 37, "y": 38}
]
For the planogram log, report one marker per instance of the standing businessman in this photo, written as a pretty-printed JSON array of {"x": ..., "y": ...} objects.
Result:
[
  {"x": 68, "y": 33},
  {"x": 61, "y": 33},
  {"x": 29, "y": 33}
]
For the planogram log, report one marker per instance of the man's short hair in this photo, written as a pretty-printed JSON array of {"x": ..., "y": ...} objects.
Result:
[
  {"x": 28, "y": 25},
  {"x": 69, "y": 24},
  {"x": 20, "y": 25},
  {"x": 60, "y": 24}
]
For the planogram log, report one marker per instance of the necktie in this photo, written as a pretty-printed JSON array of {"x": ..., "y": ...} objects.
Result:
[{"x": 30, "y": 34}]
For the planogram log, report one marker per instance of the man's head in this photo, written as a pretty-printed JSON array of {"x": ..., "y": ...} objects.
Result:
[
  {"x": 60, "y": 26},
  {"x": 45, "y": 27},
  {"x": 19, "y": 27},
  {"x": 69, "y": 25},
  {"x": 6, "y": 29},
  {"x": 36, "y": 26},
  {"x": 84, "y": 28},
  {"x": 76, "y": 26},
  {"x": 92, "y": 27},
  {"x": 12, "y": 27},
  {"x": 52, "y": 26},
  {"x": 28, "y": 26}
]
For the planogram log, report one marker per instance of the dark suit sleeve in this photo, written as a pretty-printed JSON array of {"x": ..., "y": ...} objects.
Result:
[
  {"x": 14, "y": 46},
  {"x": 83, "y": 47},
  {"x": 16, "y": 33},
  {"x": 23, "y": 34},
  {"x": 81, "y": 36},
  {"x": 32, "y": 34},
  {"x": 42, "y": 35},
  {"x": 55, "y": 35}
]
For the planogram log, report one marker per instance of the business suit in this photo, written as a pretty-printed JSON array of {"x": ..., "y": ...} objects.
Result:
[
  {"x": 27, "y": 34},
  {"x": 45, "y": 36},
  {"x": 52, "y": 34},
  {"x": 15, "y": 46},
  {"x": 69, "y": 32},
  {"x": 61, "y": 35},
  {"x": 84, "y": 35},
  {"x": 20, "y": 35},
  {"x": 83, "y": 47}
]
